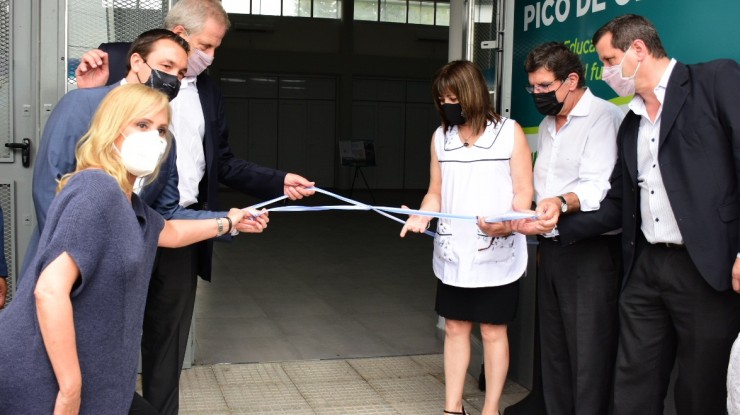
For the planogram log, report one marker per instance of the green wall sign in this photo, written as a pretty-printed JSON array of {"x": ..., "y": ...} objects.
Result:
[{"x": 691, "y": 30}]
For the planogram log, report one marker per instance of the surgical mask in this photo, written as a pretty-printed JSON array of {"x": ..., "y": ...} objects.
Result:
[
  {"x": 547, "y": 102},
  {"x": 162, "y": 82},
  {"x": 454, "y": 113},
  {"x": 141, "y": 152},
  {"x": 613, "y": 76},
  {"x": 198, "y": 61}
]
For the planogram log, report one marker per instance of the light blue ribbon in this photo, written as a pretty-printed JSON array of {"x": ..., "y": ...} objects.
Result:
[{"x": 355, "y": 205}]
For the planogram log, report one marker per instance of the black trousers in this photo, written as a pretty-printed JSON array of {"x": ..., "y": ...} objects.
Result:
[
  {"x": 139, "y": 406},
  {"x": 577, "y": 290},
  {"x": 669, "y": 313},
  {"x": 167, "y": 317}
]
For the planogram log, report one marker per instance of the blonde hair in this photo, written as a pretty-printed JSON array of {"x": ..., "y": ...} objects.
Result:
[
  {"x": 120, "y": 107},
  {"x": 193, "y": 14}
]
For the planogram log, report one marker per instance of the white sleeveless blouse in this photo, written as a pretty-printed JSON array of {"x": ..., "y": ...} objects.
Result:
[{"x": 476, "y": 180}]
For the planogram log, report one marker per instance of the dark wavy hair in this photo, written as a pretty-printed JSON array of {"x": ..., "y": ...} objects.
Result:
[
  {"x": 144, "y": 44},
  {"x": 556, "y": 58}
]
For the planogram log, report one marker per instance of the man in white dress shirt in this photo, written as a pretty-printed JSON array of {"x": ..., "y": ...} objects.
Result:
[{"x": 578, "y": 284}]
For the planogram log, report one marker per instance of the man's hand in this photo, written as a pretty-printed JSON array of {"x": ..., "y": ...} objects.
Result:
[
  {"x": 296, "y": 187},
  {"x": 93, "y": 69},
  {"x": 3, "y": 291},
  {"x": 255, "y": 221},
  {"x": 548, "y": 213},
  {"x": 736, "y": 276}
]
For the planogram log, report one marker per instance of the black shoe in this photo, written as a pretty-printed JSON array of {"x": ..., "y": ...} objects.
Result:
[{"x": 456, "y": 413}]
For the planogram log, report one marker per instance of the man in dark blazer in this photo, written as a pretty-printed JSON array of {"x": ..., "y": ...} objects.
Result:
[
  {"x": 675, "y": 192},
  {"x": 171, "y": 297}
]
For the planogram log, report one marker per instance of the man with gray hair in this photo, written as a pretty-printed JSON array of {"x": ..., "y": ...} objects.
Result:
[{"x": 204, "y": 159}]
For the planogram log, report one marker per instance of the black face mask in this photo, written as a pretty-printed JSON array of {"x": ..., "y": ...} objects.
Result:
[
  {"x": 547, "y": 103},
  {"x": 163, "y": 82},
  {"x": 453, "y": 113}
]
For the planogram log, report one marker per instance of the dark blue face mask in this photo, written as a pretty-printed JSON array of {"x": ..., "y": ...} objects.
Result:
[
  {"x": 163, "y": 82},
  {"x": 454, "y": 113}
]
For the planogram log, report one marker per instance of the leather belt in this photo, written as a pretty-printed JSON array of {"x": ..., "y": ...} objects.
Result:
[{"x": 669, "y": 245}]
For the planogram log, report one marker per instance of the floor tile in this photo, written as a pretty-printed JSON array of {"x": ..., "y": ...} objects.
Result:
[
  {"x": 386, "y": 368},
  {"x": 320, "y": 371},
  {"x": 344, "y": 393},
  {"x": 235, "y": 374}
]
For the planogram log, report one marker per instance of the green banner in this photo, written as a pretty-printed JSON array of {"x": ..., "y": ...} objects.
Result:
[{"x": 691, "y": 30}]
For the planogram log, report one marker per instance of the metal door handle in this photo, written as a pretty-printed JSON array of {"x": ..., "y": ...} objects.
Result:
[{"x": 25, "y": 148}]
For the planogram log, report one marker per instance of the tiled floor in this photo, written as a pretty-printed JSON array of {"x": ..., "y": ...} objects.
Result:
[
  {"x": 409, "y": 385},
  {"x": 324, "y": 313}
]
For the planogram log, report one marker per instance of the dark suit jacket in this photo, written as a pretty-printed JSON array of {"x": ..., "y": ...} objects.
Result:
[
  {"x": 117, "y": 60},
  {"x": 699, "y": 156},
  {"x": 221, "y": 165}
]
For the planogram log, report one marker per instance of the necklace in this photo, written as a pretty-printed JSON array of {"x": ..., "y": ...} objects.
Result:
[{"x": 465, "y": 139}]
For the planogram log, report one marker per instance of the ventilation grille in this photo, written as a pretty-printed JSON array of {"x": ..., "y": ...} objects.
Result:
[{"x": 91, "y": 23}]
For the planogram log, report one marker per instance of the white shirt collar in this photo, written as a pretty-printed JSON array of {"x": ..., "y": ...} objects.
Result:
[
  {"x": 637, "y": 105},
  {"x": 583, "y": 106}
]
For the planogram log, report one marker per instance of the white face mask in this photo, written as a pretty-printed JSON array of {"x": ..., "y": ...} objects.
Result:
[
  {"x": 141, "y": 152},
  {"x": 613, "y": 76}
]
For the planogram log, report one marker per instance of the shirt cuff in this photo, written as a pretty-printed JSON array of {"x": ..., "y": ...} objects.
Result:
[{"x": 588, "y": 198}]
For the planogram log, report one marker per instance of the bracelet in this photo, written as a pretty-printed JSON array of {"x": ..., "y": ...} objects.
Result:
[
  {"x": 231, "y": 225},
  {"x": 220, "y": 227}
]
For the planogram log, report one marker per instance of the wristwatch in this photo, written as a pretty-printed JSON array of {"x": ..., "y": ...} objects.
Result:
[{"x": 563, "y": 204}]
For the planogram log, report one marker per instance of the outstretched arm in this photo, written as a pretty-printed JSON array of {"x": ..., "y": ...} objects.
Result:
[{"x": 178, "y": 233}]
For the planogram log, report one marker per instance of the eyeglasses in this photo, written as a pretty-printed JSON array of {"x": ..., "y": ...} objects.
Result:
[{"x": 539, "y": 88}]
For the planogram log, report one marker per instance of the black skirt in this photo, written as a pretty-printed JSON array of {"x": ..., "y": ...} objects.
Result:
[{"x": 490, "y": 305}]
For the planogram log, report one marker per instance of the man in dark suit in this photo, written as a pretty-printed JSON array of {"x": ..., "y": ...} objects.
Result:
[
  {"x": 675, "y": 192},
  {"x": 204, "y": 160}
]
